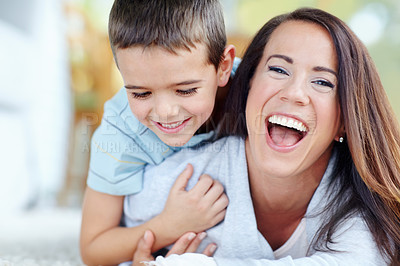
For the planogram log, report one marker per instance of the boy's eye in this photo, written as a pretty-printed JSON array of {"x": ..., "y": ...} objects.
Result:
[
  {"x": 187, "y": 92},
  {"x": 323, "y": 85},
  {"x": 278, "y": 70},
  {"x": 141, "y": 95}
]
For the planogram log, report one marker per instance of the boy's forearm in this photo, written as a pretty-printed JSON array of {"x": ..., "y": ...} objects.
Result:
[
  {"x": 113, "y": 246},
  {"x": 102, "y": 240},
  {"x": 164, "y": 236},
  {"x": 118, "y": 244}
]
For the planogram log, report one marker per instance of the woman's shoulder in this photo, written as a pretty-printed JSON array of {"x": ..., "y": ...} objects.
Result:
[
  {"x": 227, "y": 147},
  {"x": 204, "y": 157}
]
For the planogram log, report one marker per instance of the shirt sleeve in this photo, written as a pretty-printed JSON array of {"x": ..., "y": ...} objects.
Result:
[{"x": 117, "y": 161}]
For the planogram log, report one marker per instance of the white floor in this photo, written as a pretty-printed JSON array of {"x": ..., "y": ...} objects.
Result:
[{"x": 40, "y": 238}]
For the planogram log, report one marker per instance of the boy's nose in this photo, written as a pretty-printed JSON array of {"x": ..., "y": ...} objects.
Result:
[{"x": 166, "y": 109}]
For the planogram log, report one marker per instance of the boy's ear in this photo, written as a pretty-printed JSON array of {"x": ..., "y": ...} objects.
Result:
[{"x": 225, "y": 67}]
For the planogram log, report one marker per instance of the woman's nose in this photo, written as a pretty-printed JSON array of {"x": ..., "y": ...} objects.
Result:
[{"x": 296, "y": 92}]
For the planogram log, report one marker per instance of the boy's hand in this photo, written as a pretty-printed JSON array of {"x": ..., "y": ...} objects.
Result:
[
  {"x": 195, "y": 210},
  {"x": 189, "y": 242}
]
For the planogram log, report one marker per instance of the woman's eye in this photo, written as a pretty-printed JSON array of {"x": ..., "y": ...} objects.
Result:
[
  {"x": 324, "y": 83},
  {"x": 141, "y": 95},
  {"x": 187, "y": 92},
  {"x": 278, "y": 70}
]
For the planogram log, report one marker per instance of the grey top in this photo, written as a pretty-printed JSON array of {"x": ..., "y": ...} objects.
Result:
[{"x": 238, "y": 239}]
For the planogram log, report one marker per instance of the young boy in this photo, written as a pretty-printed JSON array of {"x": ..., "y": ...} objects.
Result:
[{"x": 172, "y": 57}]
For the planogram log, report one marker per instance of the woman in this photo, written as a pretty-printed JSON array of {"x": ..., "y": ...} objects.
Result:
[{"x": 322, "y": 150}]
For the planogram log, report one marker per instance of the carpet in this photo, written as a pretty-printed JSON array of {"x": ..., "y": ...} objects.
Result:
[{"x": 47, "y": 237}]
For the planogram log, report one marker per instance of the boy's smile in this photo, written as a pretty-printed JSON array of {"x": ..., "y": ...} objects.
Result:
[
  {"x": 172, "y": 94},
  {"x": 173, "y": 127}
]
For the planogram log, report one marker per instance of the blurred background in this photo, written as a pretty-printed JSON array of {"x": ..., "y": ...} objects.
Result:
[{"x": 56, "y": 72}]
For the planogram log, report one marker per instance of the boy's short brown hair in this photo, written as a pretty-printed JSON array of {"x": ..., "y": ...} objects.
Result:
[{"x": 170, "y": 24}]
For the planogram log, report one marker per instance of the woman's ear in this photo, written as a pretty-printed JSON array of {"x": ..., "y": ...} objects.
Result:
[
  {"x": 225, "y": 67},
  {"x": 340, "y": 136}
]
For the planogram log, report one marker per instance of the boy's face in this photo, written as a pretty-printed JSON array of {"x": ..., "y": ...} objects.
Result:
[{"x": 171, "y": 94}]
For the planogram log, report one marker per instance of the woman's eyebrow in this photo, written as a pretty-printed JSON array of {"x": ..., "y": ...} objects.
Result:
[
  {"x": 290, "y": 60},
  {"x": 284, "y": 57},
  {"x": 325, "y": 69}
]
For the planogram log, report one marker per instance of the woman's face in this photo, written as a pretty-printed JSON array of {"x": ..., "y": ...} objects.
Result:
[{"x": 292, "y": 111}]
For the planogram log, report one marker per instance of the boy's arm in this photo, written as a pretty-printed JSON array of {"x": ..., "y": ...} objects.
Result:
[{"x": 102, "y": 240}]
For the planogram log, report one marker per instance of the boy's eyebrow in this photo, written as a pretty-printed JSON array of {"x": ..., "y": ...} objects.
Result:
[
  {"x": 186, "y": 82},
  {"x": 132, "y": 87}
]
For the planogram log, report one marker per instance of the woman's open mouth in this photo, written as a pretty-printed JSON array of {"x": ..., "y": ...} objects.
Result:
[{"x": 286, "y": 131}]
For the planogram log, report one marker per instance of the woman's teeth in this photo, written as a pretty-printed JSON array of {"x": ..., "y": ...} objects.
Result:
[
  {"x": 172, "y": 125},
  {"x": 287, "y": 122}
]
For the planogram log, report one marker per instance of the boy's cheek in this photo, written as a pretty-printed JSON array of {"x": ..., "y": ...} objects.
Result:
[{"x": 137, "y": 109}]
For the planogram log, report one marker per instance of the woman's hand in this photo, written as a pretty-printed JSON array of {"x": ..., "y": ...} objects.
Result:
[
  {"x": 143, "y": 249},
  {"x": 188, "y": 243}
]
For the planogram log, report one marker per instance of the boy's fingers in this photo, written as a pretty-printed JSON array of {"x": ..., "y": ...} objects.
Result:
[
  {"x": 204, "y": 183},
  {"x": 143, "y": 249},
  {"x": 214, "y": 193},
  {"x": 182, "y": 244},
  {"x": 218, "y": 217},
  {"x": 221, "y": 203},
  {"x": 183, "y": 178}
]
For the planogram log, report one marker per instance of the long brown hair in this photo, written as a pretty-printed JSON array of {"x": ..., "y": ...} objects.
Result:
[{"x": 368, "y": 162}]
